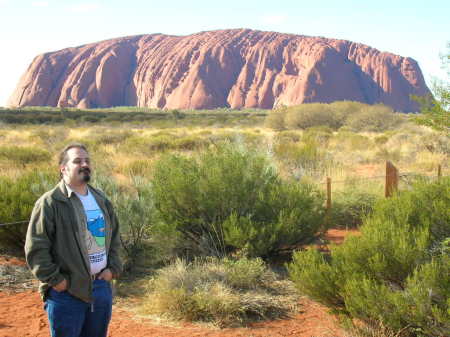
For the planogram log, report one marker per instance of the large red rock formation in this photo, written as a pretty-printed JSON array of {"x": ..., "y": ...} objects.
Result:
[{"x": 226, "y": 68}]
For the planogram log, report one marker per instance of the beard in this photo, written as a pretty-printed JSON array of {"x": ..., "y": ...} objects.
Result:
[{"x": 86, "y": 177}]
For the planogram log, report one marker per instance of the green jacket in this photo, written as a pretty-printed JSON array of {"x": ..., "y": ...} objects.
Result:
[{"x": 54, "y": 246}]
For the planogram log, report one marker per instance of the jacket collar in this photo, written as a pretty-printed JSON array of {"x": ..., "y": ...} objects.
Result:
[{"x": 61, "y": 193}]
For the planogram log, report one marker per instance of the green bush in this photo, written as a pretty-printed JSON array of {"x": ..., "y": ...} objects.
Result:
[
  {"x": 134, "y": 210},
  {"x": 310, "y": 115},
  {"x": 17, "y": 198},
  {"x": 354, "y": 116},
  {"x": 319, "y": 134},
  {"x": 344, "y": 109},
  {"x": 377, "y": 118},
  {"x": 350, "y": 207},
  {"x": 396, "y": 272},
  {"x": 421, "y": 305},
  {"x": 223, "y": 292},
  {"x": 228, "y": 198}
]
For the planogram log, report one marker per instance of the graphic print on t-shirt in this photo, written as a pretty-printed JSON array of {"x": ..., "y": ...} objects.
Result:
[
  {"x": 94, "y": 233},
  {"x": 96, "y": 226}
]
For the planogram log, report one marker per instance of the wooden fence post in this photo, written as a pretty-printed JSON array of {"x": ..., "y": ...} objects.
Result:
[
  {"x": 391, "y": 179},
  {"x": 439, "y": 171},
  {"x": 328, "y": 193}
]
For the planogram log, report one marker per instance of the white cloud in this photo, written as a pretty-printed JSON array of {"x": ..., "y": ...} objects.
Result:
[
  {"x": 274, "y": 19},
  {"x": 40, "y": 4},
  {"x": 84, "y": 7},
  {"x": 3, "y": 2}
]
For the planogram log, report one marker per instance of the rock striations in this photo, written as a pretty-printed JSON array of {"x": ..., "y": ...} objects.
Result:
[{"x": 226, "y": 68}]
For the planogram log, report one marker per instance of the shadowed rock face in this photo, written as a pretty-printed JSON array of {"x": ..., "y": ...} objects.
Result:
[{"x": 227, "y": 68}]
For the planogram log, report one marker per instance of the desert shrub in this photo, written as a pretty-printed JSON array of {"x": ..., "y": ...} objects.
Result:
[
  {"x": 376, "y": 118},
  {"x": 24, "y": 155},
  {"x": 381, "y": 140},
  {"x": 223, "y": 292},
  {"x": 17, "y": 198},
  {"x": 310, "y": 115},
  {"x": 396, "y": 272},
  {"x": 344, "y": 109},
  {"x": 291, "y": 221},
  {"x": 351, "y": 206},
  {"x": 421, "y": 305},
  {"x": 319, "y": 134},
  {"x": 135, "y": 212},
  {"x": 333, "y": 115},
  {"x": 230, "y": 186}
]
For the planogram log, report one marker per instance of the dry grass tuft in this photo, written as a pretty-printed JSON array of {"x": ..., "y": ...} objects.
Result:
[{"x": 224, "y": 292}]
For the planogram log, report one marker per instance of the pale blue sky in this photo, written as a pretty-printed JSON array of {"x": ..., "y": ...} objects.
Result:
[{"x": 418, "y": 29}]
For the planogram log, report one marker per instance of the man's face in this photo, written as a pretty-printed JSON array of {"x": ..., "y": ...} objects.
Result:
[{"x": 77, "y": 169}]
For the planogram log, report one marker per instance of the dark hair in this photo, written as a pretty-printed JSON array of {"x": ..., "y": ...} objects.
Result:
[{"x": 63, "y": 154}]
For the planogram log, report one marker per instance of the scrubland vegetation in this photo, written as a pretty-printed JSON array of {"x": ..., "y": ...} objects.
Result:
[
  {"x": 209, "y": 200},
  {"x": 396, "y": 272}
]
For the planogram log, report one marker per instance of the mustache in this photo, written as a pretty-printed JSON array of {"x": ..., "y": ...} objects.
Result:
[{"x": 85, "y": 170}]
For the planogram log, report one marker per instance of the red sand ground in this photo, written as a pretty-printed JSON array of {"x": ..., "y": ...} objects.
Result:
[
  {"x": 22, "y": 315},
  {"x": 12, "y": 261}
]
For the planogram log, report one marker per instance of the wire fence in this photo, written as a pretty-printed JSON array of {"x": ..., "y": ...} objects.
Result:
[
  {"x": 393, "y": 181},
  {"x": 14, "y": 223}
]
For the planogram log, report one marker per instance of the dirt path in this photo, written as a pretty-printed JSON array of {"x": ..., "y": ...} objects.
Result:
[{"x": 22, "y": 315}]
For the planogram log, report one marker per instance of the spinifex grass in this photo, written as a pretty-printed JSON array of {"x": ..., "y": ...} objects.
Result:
[{"x": 224, "y": 292}]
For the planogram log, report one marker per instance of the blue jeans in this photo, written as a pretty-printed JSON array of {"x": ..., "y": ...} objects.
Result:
[{"x": 71, "y": 317}]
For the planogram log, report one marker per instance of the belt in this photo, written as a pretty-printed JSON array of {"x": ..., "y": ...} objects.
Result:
[{"x": 95, "y": 276}]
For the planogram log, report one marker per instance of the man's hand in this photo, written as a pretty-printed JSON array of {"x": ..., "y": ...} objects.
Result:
[
  {"x": 61, "y": 286},
  {"x": 105, "y": 275}
]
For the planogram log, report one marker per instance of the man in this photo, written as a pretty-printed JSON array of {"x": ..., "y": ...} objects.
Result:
[{"x": 72, "y": 247}]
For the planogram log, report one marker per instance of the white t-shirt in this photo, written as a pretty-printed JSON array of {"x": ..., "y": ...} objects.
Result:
[{"x": 95, "y": 232}]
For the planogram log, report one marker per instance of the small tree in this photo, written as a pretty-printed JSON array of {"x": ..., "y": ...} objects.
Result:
[{"x": 436, "y": 110}]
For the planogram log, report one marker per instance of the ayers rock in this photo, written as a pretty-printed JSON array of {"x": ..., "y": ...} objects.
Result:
[{"x": 234, "y": 68}]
